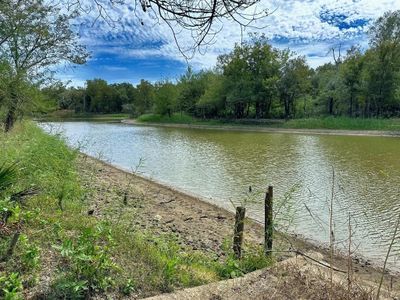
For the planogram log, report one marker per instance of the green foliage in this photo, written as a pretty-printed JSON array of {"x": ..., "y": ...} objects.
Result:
[
  {"x": 128, "y": 287},
  {"x": 7, "y": 176},
  {"x": 89, "y": 264},
  {"x": 252, "y": 259},
  {"x": 251, "y": 72},
  {"x": 10, "y": 286},
  {"x": 144, "y": 97},
  {"x": 30, "y": 254},
  {"x": 166, "y": 265},
  {"x": 191, "y": 86},
  {"x": 213, "y": 102},
  {"x": 165, "y": 99},
  {"x": 293, "y": 83},
  {"x": 35, "y": 35},
  {"x": 177, "y": 118}
]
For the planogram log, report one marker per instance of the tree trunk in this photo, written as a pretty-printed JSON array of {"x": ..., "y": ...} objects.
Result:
[
  {"x": 351, "y": 103},
  {"x": 10, "y": 119},
  {"x": 287, "y": 107},
  {"x": 330, "y": 105}
]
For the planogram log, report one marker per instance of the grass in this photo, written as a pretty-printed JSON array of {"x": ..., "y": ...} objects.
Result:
[
  {"x": 174, "y": 119},
  {"x": 77, "y": 255},
  {"x": 334, "y": 123},
  {"x": 344, "y": 123}
]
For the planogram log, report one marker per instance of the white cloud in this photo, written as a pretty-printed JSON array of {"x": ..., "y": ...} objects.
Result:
[{"x": 297, "y": 22}]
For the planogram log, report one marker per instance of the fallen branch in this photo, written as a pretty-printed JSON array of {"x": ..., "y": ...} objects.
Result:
[{"x": 298, "y": 252}]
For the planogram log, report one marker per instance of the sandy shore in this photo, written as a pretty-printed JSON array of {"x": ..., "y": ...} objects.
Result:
[
  {"x": 197, "y": 224},
  {"x": 250, "y": 128}
]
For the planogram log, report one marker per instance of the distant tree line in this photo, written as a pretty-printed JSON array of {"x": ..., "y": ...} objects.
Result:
[{"x": 256, "y": 80}]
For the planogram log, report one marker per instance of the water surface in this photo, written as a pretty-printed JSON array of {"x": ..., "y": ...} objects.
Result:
[{"x": 220, "y": 166}]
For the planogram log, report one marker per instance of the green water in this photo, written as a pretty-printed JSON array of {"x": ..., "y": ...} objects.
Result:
[{"x": 221, "y": 165}]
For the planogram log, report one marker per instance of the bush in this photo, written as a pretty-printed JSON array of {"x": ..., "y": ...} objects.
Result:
[
  {"x": 88, "y": 261},
  {"x": 10, "y": 286}
]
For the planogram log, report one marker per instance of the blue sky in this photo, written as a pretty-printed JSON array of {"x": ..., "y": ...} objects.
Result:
[{"x": 127, "y": 51}]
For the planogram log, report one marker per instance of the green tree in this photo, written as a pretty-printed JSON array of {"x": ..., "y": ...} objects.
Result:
[
  {"x": 238, "y": 76},
  {"x": 144, "y": 97},
  {"x": 294, "y": 82},
  {"x": 165, "y": 98},
  {"x": 34, "y": 35},
  {"x": 328, "y": 86},
  {"x": 191, "y": 87},
  {"x": 213, "y": 102},
  {"x": 99, "y": 96},
  {"x": 251, "y": 71},
  {"x": 351, "y": 74},
  {"x": 383, "y": 65}
]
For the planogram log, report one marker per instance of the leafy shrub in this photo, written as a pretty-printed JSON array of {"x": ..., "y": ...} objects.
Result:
[
  {"x": 10, "y": 286},
  {"x": 128, "y": 287},
  {"x": 89, "y": 263},
  {"x": 30, "y": 254},
  {"x": 253, "y": 259}
]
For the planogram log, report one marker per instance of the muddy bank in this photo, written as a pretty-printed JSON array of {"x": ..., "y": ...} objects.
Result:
[
  {"x": 271, "y": 129},
  {"x": 196, "y": 224}
]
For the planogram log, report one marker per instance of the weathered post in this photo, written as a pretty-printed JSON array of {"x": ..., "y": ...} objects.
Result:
[
  {"x": 238, "y": 234},
  {"x": 269, "y": 225}
]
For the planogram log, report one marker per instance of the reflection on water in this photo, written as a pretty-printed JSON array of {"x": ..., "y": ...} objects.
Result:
[{"x": 220, "y": 165}]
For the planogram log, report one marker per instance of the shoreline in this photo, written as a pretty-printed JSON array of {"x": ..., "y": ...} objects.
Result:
[
  {"x": 251, "y": 128},
  {"x": 190, "y": 205}
]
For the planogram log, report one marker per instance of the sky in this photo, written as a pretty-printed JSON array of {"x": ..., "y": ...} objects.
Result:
[{"x": 131, "y": 45}]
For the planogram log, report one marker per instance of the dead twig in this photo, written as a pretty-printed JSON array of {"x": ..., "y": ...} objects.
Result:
[{"x": 387, "y": 257}]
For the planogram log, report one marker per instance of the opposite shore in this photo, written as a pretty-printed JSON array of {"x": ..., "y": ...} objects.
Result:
[{"x": 250, "y": 128}]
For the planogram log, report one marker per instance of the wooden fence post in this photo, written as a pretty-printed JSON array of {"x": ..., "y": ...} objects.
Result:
[
  {"x": 269, "y": 225},
  {"x": 238, "y": 234}
]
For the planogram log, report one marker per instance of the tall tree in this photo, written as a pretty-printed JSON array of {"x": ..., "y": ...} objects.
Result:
[
  {"x": 384, "y": 63},
  {"x": 165, "y": 98},
  {"x": 251, "y": 71},
  {"x": 144, "y": 97},
  {"x": 213, "y": 102},
  {"x": 295, "y": 81},
  {"x": 34, "y": 36},
  {"x": 191, "y": 87},
  {"x": 351, "y": 73}
]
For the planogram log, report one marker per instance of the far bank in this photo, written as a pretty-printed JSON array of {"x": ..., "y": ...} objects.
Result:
[{"x": 301, "y": 126}]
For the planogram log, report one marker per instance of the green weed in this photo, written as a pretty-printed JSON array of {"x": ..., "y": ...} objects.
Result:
[
  {"x": 90, "y": 267},
  {"x": 10, "y": 286}
]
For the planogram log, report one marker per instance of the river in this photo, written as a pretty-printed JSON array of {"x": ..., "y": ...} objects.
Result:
[{"x": 360, "y": 173}]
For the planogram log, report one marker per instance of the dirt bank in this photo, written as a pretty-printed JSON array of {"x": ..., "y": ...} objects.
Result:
[
  {"x": 271, "y": 129},
  {"x": 198, "y": 224}
]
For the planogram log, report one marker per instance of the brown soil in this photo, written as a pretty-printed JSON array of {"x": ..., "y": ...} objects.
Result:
[{"x": 203, "y": 226}]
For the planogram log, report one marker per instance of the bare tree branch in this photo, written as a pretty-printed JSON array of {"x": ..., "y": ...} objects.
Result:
[{"x": 202, "y": 18}]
